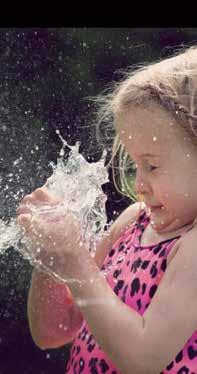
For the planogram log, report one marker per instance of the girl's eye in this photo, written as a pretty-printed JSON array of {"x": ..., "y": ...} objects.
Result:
[
  {"x": 151, "y": 167},
  {"x": 146, "y": 166}
]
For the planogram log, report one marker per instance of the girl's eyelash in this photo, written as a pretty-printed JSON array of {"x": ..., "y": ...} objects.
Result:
[{"x": 151, "y": 167}]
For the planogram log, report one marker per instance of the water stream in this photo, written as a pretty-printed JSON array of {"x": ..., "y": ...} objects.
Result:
[{"x": 78, "y": 184}]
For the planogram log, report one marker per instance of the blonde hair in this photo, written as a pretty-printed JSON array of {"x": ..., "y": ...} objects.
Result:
[{"x": 172, "y": 83}]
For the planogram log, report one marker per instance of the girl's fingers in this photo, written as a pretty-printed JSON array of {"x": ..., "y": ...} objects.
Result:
[
  {"x": 28, "y": 199},
  {"x": 41, "y": 194},
  {"x": 23, "y": 209},
  {"x": 24, "y": 220}
]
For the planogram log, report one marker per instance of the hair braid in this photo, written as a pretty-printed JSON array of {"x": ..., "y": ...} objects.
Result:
[{"x": 179, "y": 111}]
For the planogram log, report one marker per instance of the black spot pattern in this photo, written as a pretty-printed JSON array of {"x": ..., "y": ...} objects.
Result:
[
  {"x": 170, "y": 366},
  {"x": 111, "y": 253},
  {"x": 103, "y": 365},
  {"x": 157, "y": 249},
  {"x": 179, "y": 357},
  {"x": 90, "y": 339},
  {"x": 192, "y": 353},
  {"x": 135, "y": 286},
  {"x": 153, "y": 290},
  {"x": 92, "y": 364},
  {"x": 145, "y": 264},
  {"x": 162, "y": 253},
  {"x": 139, "y": 304},
  {"x": 91, "y": 347},
  {"x": 118, "y": 286},
  {"x": 81, "y": 364},
  {"x": 153, "y": 270},
  {"x": 78, "y": 350},
  {"x": 83, "y": 334},
  {"x": 164, "y": 265},
  {"x": 183, "y": 370},
  {"x": 143, "y": 288},
  {"x": 124, "y": 293},
  {"x": 134, "y": 273},
  {"x": 116, "y": 273},
  {"x": 136, "y": 264},
  {"x": 121, "y": 247}
]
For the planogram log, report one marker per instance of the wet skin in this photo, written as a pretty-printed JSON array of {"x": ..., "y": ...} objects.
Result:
[{"x": 166, "y": 161}]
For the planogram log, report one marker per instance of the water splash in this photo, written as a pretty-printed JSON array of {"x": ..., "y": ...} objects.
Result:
[{"x": 78, "y": 184}]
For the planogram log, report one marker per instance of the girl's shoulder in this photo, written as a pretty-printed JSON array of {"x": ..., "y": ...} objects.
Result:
[
  {"x": 126, "y": 218},
  {"x": 187, "y": 239},
  {"x": 186, "y": 246},
  {"x": 190, "y": 236}
]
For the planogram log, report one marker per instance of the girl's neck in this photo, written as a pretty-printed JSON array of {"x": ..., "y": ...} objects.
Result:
[{"x": 150, "y": 236}]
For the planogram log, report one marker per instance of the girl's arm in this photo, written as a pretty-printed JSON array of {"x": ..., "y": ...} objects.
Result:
[{"x": 54, "y": 317}]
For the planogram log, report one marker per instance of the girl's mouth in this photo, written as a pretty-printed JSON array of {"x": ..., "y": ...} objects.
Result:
[{"x": 155, "y": 208}]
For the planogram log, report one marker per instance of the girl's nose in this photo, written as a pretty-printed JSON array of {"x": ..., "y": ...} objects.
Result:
[{"x": 140, "y": 185}]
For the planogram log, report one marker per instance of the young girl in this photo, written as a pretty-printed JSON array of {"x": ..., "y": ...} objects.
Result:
[{"x": 133, "y": 307}]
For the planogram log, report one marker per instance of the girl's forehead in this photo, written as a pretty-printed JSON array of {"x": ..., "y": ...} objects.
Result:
[{"x": 153, "y": 126}]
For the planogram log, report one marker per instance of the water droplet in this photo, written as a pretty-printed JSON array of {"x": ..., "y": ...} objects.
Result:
[
  {"x": 88, "y": 201},
  {"x": 16, "y": 162}
]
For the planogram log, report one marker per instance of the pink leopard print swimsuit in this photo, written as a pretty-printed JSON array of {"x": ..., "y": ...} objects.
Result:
[{"x": 134, "y": 273}]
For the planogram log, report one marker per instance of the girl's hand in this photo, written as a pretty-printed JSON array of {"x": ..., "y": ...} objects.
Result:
[{"x": 53, "y": 235}]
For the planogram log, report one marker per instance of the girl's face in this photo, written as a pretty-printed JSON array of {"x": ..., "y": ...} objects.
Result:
[{"x": 166, "y": 162}]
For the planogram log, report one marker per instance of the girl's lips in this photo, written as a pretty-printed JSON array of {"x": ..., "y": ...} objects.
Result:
[{"x": 153, "y": 208}]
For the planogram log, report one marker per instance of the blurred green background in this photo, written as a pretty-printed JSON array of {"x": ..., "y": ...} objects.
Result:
[{"x": 46, "y": 76}]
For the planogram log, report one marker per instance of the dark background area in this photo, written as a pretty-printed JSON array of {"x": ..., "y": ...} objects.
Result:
[{"x": 46, "y": 74}]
